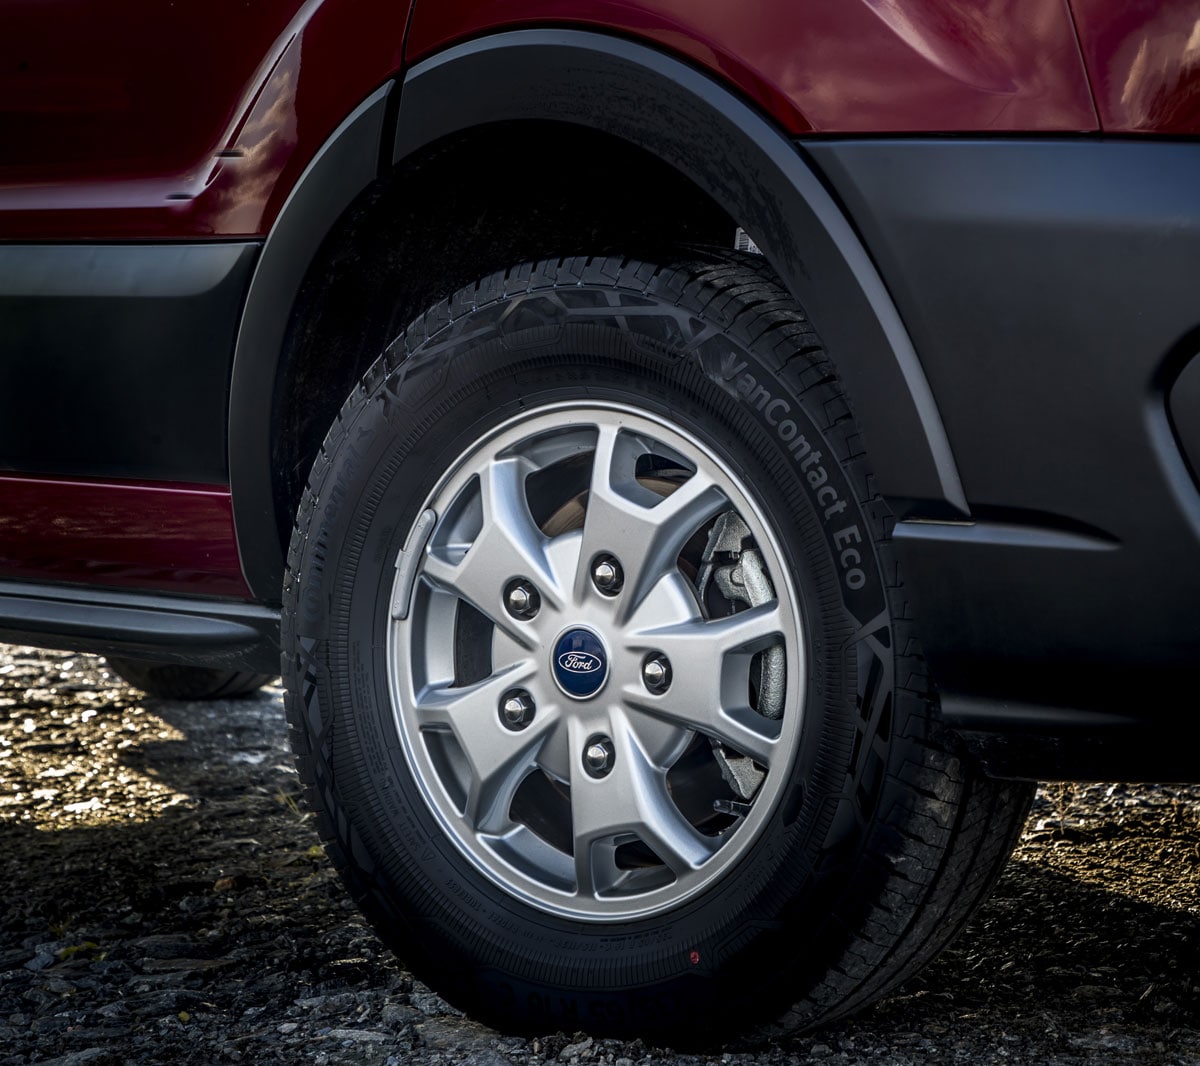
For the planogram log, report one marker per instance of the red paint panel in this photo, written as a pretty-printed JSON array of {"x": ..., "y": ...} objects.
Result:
[
  {"x": 194, "y": 119},
  {"x": 852, "y": 66},
  {"x": 182, "y": 120},
  {"x": 171, "y": 538},
  {"x": 1143, "y": 57}
]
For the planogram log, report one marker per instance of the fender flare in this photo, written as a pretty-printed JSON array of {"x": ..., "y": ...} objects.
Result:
[
  {"x": 752, "y": 170},
  {"x": 346, "y": 164},
  {"x": 747, "y": 165}
]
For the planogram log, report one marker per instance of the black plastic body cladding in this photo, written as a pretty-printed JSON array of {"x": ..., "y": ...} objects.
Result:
[
  {"x": 1051, "y": 290},
  {"x": 123, "y": 352}
]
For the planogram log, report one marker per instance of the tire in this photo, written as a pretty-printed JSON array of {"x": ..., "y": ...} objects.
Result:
[
  {"x": 638, "y": 767},
  {"x": 168, "y": 681}
]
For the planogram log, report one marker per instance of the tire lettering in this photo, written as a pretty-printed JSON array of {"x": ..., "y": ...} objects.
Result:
[
  {"x": 826, "y": 492},
  {"x": 776, "y": 403},
  {"x": 849, "y": 535}
]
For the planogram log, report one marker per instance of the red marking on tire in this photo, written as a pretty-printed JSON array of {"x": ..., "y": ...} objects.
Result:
[{"x": 694, "y": 958}]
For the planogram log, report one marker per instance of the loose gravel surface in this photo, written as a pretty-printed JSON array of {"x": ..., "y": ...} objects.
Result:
[{"x": 163, "y": 899}]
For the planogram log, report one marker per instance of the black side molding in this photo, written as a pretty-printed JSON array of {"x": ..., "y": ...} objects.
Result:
[
  {"x": 122, "y": 354},
  {"x": 226, "y": 635}
]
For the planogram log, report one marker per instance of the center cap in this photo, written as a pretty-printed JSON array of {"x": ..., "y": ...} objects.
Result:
[{"x": 580, "y": 663}]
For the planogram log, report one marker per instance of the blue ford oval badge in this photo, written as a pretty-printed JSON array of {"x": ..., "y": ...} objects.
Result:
[{"x": 580, "y": 663}]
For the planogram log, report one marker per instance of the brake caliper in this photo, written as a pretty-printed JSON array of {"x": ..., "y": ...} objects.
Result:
[{"x": 735, "y": 566}]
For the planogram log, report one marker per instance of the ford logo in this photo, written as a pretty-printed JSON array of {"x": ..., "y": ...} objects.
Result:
[{"x": 579, "y": 662}]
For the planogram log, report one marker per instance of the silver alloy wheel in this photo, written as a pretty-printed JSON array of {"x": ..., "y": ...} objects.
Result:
[{"x": 696, "y": 767}]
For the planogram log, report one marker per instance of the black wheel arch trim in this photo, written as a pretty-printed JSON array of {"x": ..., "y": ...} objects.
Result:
[
  {"x": 747, "y": 165},
  {"x": 750, "y": 168},
  {"x": 346, "y": 164}
]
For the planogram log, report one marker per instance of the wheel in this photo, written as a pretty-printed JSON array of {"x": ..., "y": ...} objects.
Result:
[
  {"x": 171, "y": 682},
  {"x": 600, "y": 676}
]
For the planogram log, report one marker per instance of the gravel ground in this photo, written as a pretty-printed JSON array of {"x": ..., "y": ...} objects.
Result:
[{"x": 164, "y": 899}]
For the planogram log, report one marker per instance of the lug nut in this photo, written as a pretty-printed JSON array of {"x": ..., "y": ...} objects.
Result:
[
  {"x": 606, "y": 575},
  {"x": 598, "y": 756},
  {"x": 516, "y": 709},
  {"x": 522, "y": 600},
  {"x": 656, "y": 673}
]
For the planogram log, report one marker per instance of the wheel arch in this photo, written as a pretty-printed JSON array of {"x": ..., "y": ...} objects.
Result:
[{"x": 655, "y": 105}]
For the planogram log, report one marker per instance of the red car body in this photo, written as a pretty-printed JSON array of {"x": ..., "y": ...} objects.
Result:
[{"x": 195, "y": 121}]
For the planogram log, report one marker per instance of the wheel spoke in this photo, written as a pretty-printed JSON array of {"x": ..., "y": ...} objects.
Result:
[
  {"x": 509, "y": 546},
  {"x": 708, "y": 692},
  {"x": 643, "y": 530},
  {"x": 632, "y": 801},
  {"x": 596, "y": 803},
  {"x": 499, "y": 758}
]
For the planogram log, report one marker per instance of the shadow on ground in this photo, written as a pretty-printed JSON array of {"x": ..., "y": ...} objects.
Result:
[{"x": 174, "y": 906}]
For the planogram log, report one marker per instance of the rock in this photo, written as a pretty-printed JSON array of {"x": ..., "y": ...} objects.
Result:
[
  {"x": 327, "y": 1004},
  {"x": 158, "y": 1002},
  {"x": 575, "y": 1050},
  {"x": 455, "y": 1034},
  {"x": 163, "y": 946},
  {"x": 398, "y": 1015},
  {"x": 431, "y": 1003},
  {"x": 1103, "y": 1040},
  {"x": 10, "y": 960},
  {"x": 487, "y": 1057},
  {"x": 358, "y": 1036},
  {"x": 182, "y": 965},
  {"x": 94, "y": 1055}
]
